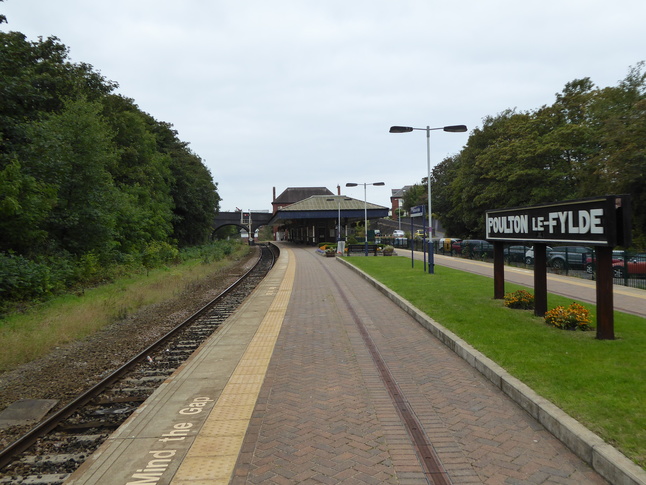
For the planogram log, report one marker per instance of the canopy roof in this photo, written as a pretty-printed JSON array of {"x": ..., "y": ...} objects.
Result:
[{"x": 328, "y": 207}]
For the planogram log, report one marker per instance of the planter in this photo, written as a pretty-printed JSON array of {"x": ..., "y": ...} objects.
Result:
[{"x": 330, "y": 255}]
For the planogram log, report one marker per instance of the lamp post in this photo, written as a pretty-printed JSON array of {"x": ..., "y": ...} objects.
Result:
[
  {"x": 338, "y": 234},
  {"x": 428, "y": 129},
  {"x": 365, "y": 207}
]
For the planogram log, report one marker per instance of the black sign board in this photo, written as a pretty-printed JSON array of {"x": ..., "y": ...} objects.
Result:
[{"x": 599, "y": 221}]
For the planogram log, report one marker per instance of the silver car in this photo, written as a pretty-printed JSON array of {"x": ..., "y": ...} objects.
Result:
[{"x": 529, "y": 255}]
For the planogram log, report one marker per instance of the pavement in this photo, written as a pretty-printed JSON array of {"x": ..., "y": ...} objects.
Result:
[
  {"x": 325, "y": 376},
  {"x": 325, "y": 416}
]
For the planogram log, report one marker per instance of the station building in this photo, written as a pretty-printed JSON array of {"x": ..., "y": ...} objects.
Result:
[{"x": 311, "y": 215}]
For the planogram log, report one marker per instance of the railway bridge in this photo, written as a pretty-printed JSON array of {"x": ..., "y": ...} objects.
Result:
[{"x": 242, "y": 219}]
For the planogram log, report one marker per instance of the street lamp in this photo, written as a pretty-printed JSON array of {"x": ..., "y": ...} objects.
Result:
[
  {"x": 338, "y": 235},
  {"x": 365, "y": 206},
  {"x": 428, "y": 129}
]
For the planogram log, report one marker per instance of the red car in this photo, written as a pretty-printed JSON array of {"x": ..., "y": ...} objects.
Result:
[
  {"x": 636, "y": 266},
  {"x": 617, "y": 259}
]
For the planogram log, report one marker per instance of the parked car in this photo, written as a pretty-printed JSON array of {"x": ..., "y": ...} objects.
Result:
[
  {"x": 449, "y": 244},
  {"x": 515, "y": 254},
  {"x": 398, "y": 233},
  {"x": 529, "y": 255},
  {"x": 590, "y": 265},
  {"x": 420, "y": 233},
  {"x": 569, "y": 256},
  {"x": 476, "y": 247},
  {"x": 635, "y": 266}
]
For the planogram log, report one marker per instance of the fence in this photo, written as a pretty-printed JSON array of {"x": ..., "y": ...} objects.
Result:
[{"x": 629, "y": 267}]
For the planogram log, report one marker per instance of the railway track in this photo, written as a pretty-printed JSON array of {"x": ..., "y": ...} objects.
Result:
[{"x": 56, "y": 447}]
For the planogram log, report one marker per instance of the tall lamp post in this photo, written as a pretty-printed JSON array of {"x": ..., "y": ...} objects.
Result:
[
  {"x": 365, "y": 207},
  {"x": 338, "y": 200},
  {"x": 428, "y": 129}
]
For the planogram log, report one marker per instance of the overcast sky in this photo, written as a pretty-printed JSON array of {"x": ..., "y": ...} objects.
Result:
[{"x": 294, "y": 93}]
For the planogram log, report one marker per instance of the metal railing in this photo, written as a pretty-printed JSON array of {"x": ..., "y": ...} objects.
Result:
[{"x": 629, "y": 267}]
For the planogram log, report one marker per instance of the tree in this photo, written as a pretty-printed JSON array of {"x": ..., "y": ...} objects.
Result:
[
  {"x": 142, "y": 175},
  {"x": 70, "y": 153},
  {"x": 37, "y": 78},
  {"x": 25, "y": 203},
  {"x": 441, "y": 178},
  {"x": 195, "y": 197},
  {"x": 589, "y": 142},
  {"x": 414, "y": 196},
  {"x": 619, "y": 113}
]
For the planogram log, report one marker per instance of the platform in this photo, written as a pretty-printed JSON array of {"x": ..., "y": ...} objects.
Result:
[{"x": 292, "y": 390}]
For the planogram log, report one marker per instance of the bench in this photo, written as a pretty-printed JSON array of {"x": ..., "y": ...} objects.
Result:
[{"x": 361, "y": 248}]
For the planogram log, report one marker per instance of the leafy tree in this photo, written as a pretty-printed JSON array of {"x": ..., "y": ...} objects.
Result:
[
  {"x": 142, "y": 175},
  {"x": 588, "y": 142},
  {"x": 86, "y": 177},
  {"x": 25, "y": 203},
  {"x": 619, "y": 113},
  {"x": 195, "y": 197},
  {"x": 70, "y": 152},
  {"x": 415, "y": 195},
  {"x": 36, "y": 78},
  {"x": 441, "y": 178}
]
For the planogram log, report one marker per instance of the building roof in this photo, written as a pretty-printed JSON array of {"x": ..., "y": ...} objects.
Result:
[
  {"x": 294, "y": 194},
  {"x": 328, "y": 207},
  {"x": 399, "y": 193},
  {"x": 329, "y": 202}
]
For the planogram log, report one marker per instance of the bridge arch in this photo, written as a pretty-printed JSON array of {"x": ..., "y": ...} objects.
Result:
[{"x": 240, "y": 219}]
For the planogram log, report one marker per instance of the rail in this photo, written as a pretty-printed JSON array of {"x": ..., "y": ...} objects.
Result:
[{"x": 8, "y": 454}]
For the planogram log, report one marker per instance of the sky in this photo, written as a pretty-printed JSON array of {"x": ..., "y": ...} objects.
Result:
[{"x": 301, "y": 93}]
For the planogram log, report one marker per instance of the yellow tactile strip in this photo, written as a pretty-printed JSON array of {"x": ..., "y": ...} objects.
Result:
[{"x": 212, "y": 457}]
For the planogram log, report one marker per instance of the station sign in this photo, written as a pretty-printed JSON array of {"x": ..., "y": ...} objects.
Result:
[
  {"x": 599, "y": 221},
  {"x": 417, "y": 211}
]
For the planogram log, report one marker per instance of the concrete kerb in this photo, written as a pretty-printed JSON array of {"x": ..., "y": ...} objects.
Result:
[{"x": 606, "y": 460}]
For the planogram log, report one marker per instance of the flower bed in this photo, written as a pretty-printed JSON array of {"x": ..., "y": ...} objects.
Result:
[
  {"x": 574, "y": 317},
  {"x": 521, "y": 299}
]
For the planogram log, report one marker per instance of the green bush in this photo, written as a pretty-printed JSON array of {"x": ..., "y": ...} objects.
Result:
[{"x": 23, "y": 279}]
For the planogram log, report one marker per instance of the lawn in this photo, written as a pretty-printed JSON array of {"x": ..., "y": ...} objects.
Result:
[{"x": 600, "y": 383}]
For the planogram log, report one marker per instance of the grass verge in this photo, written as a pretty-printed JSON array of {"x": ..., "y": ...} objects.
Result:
[
  {"x": 30, "y": 335},
  {"x": 600, "y": 383}
]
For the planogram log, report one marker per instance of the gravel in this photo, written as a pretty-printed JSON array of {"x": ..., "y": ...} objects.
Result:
[{"x": 73, "y": 368}]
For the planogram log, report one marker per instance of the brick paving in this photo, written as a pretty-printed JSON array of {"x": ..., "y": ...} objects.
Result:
[{"x": 324, "y": 415}]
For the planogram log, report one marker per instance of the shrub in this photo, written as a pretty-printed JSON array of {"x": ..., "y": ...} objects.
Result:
[
  {"x": 574, "y": 317},
  {"x": 521, "y": 299},
  {"x": 23, "y": 279}
]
